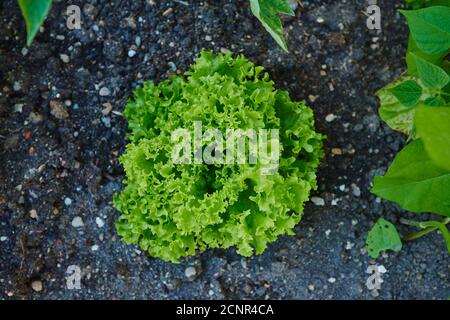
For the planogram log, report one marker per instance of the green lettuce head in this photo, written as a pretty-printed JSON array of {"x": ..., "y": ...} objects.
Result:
[{"x": 172, "y": 208}]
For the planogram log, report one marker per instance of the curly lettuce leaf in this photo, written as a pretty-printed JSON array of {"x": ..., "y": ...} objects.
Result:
[{"x": 173, "y": 210}]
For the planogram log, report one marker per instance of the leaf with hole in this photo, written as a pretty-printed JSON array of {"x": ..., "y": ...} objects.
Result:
[{"x": 383, "y": 236}]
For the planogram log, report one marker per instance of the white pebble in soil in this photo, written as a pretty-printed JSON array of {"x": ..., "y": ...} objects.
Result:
[
  {"x": 355, "y": 190},
  {"x": 37, "y": 285},
  {"x": 190, "y": 272},
  {"x": 77, "y": 222},
  {"x": 64, "y": 58},
  {"x": 99, "y": 222},
  {"x": 330, "y": 117},
  {"x": 131, "y": 53},
  {"x": 104, "y": 92},
  {"x": 67, "y": 201},
  {"x": 318, "y": 201}
]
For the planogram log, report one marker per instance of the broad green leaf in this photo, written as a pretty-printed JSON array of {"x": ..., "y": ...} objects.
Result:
[
  {"x": 433, "y": 126},
  {"x": 430, "y": 28},
  {"x": 430, "y": 75},
  {"x": 416, "y": 4},
  {"x": 436, "y": 59},
  {"x": 383, "y": 236},
  {"x": 34, "y": 12},
  {"x": 407, "y": 92},
  {"x": 267, "y": 13},
  {"x": 435, "y": 102},
  {"x": 415, "y": 182},
  {"x": 394, "y": 113}
]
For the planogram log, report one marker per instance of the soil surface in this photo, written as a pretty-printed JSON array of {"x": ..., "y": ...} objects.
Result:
[{"x": 62, "y": 131}]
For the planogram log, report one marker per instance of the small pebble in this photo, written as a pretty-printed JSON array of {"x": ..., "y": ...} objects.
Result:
[
  {"x": 355, "y": 190},
  {"x": 99, "y": 222},
  {"x": 138, "y": 41},
  {"x": 104, "y": 91},
  {"x": 312, "y": 98},
  {"x": 67, "y": 201},
  {"x": 190, "y": 272},
  {"x": 208, "y": 38},
  {"x": 18, "y": 107},
  {"x": 332, "y": 280},
  {"x": 131, "y": 53},
  {"x": 349, "y": 245},
  {"x": 65, "y": 58},
  {"x": 77, "y": 222},
  {"x": 17, "y": 86},
  {"x": 167, "y": 12},
  {"x": 318, "y": 201},
  {"x": 36, "y": 285},
  {"x": 320, "y": 20},
  {"x": 106, "y": 121},
  {"x": 94, "y": 247},
  {"x": 330, "y": 117},
  {"x": 33, "y": 214},
  {"x": 2, "y": 239}
]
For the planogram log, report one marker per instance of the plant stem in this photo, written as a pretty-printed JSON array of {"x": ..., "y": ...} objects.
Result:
[{"x": 429, "y": 226}]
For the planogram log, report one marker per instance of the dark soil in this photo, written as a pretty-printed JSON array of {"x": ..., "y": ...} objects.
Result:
[{"x": 59, "y": 152}]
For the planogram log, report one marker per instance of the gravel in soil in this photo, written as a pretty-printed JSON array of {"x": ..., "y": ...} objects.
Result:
[{"x": 62, "y": 132}]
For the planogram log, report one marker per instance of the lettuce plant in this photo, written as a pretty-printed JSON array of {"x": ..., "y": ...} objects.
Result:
[{"x": 173, "y": 210}]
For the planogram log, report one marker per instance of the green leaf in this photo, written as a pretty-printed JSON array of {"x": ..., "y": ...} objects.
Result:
[
  {"x": 435, "y": 102},
  {"x": 34, "y": 12},
  {"x": 430, "y": 28},
  {"x": 433, "y": 126},
  {"x": 436, "y": 59},
  {"x": 267, "y": 13},
  {"x": 407, "y": 92},
  {"x": 394, "y": 113},
  {"x": 383, "y": 236},
  {"x": 430, "y": 75},
  {"x": 415, "y": 182}
]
